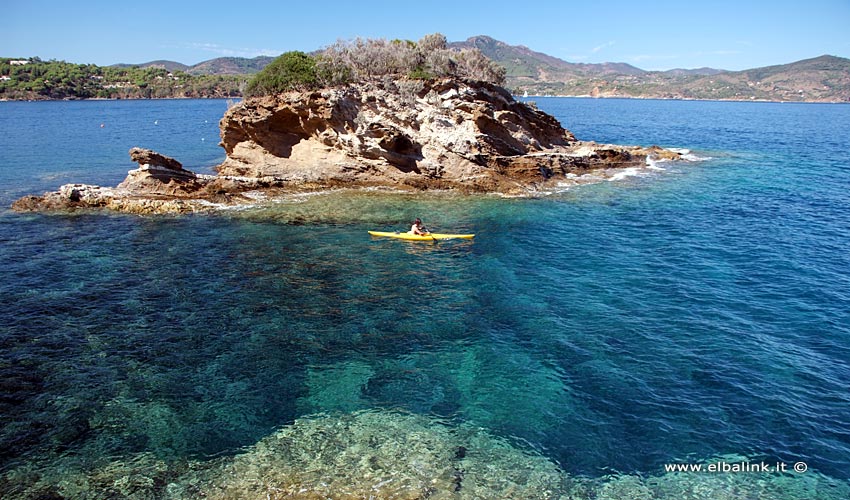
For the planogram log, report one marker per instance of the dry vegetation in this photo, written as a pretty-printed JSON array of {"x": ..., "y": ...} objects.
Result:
[{"x": 368, "y": 59}]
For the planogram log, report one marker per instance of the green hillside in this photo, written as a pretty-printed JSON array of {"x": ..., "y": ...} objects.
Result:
[
  {"x": 230, "y": 66},
  {"x": 825, "y": 78},
  {"x": 34, "y": 79}
]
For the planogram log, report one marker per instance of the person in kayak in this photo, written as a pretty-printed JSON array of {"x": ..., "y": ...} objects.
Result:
[{"x": 417, "y": 228}]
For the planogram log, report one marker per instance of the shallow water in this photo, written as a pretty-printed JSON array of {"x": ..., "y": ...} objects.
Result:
[{"x": 673, "y": 316}]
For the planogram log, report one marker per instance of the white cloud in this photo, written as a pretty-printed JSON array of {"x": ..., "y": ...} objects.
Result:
[
  {"x": 584, "y": 57},
  {"x": 603, "y": 46},
  {"x": 233, "y": 51}
]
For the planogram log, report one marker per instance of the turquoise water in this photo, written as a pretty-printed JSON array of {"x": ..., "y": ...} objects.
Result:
[{"x": 675, "y": 316}]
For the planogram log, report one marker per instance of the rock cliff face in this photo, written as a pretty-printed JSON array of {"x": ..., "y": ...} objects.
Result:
[
  {"x": 409, "y": 134},
  {"x": 446, "y": 134}
]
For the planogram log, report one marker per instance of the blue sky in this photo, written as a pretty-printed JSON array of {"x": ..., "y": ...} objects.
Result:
[{"x": 650, "y": 35}]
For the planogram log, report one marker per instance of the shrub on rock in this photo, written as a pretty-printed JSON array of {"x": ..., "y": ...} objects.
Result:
[{"x": 293, "y": 70}]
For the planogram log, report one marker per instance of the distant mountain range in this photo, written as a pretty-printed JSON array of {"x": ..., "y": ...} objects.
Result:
[
  {"x": 522, "y": 62},
  {"x": 217, "y": 66},
  {"x": 824, "y": 78}
]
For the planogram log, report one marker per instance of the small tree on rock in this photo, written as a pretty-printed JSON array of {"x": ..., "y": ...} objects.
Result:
[{"x": 291, "y": 71}]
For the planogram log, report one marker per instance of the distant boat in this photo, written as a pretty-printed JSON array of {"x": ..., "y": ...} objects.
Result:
[{"x": 525, "y": 94}]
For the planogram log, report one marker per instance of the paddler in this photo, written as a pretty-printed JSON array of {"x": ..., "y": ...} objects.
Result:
[{"x": 417, "y": 228}]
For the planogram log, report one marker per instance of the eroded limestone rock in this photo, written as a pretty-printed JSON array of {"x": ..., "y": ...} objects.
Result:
[{"x": 409, "y": 134}]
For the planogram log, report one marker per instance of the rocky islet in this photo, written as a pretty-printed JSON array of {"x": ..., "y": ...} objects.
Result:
[{"x": 416, "y": 135}]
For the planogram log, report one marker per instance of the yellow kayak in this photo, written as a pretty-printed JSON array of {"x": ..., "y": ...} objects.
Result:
[{"x": 421, "y": 237}]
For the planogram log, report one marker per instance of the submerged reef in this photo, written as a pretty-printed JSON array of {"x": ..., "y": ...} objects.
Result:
[
  {"x": 385, "y": 454},
  {"x": 446, "y": 134}
]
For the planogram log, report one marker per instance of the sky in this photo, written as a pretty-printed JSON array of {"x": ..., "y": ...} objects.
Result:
[{"x": 723, "y": 34}]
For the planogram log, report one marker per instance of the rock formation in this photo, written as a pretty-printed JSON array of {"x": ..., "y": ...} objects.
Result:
[
  {"x": 159, "y": 185},
  {"x": 408, "y": 134},
  {"x": 446, "y": 134}
]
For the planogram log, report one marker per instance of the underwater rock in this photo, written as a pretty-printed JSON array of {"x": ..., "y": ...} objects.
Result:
[
  {"x": 720, "y": 486},
  {"x": 386, "y": 454},
  {"x": 380, "y": 455}
]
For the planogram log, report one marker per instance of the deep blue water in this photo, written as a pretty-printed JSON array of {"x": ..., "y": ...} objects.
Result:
[{"x": 676, "y": 315}]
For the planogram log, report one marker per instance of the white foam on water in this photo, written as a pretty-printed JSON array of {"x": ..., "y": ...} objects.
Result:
[
  {"x": 652, "y": 164},
  {"x": 693, "y": 157},
  {"x": 571, "y": 181},
  {"x": 687, "y": 155},
  {"x": 625, "y": 173}
]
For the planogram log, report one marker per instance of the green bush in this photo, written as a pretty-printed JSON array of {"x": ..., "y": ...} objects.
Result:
[
  {"x": 420, "y": 73},
  {"x": 291, "y": 71}
]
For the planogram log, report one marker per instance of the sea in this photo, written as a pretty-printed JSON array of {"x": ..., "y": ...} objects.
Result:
[{"x": 679, "y": 331}]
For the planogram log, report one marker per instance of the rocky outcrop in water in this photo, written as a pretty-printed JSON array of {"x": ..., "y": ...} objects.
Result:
[
  {"x": 159, "y": 185},
  {"x": 404, "y": 134},
  {"x": 443, "y": 134}
]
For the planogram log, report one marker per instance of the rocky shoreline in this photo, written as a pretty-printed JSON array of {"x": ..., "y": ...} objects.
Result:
[{"x": 416, "y": 135}]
